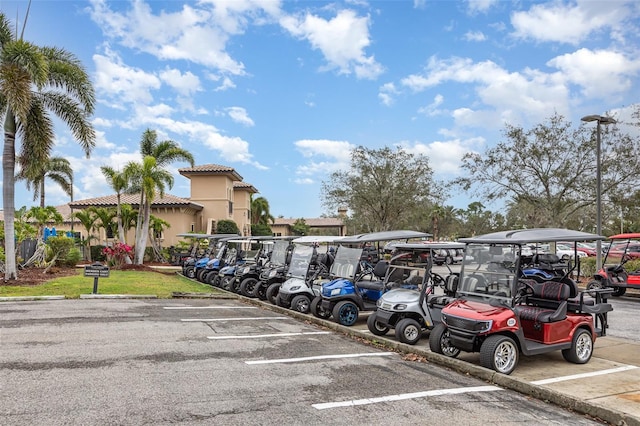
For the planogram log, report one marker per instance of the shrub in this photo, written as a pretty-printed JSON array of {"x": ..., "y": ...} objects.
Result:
[
  {"x": 58, "y": 248},
  {"x": 227, "y": 227},
  {"x": 117, "y": 254},
  {"x": 96, "y": 253},
  {"x": 72, "y": 258}
]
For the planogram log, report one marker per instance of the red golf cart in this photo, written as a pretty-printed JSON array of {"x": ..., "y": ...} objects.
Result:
[
  {"x": 501, "y": 314},
  {"x": 623, "y": 248}
]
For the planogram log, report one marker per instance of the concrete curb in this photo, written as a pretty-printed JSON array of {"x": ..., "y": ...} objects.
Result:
[
  {"x": 29, "y": 298},
  {"x": 611, "y": 416},
  {"x": 118, "y": 296}
]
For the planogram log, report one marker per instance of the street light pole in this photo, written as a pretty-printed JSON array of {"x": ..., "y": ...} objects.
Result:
[{"x": 599, "y": 119}]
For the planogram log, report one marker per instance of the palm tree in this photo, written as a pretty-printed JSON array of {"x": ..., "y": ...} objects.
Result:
[
  {"x": 129, "y": 218},
  {"x": 57, "y": 169},
  {"x": 41, "y": 216},
  {"x": 36, "y": 82},
  {"x": 105, "y": 216},
  {"x": 260, "y": 214},
  {"x": 156, "y": 226},
  {"x": 118, "y": 183},
  {"x": 150, "y": 176},
  {"x": 88, "y": 219},
  {"x": 150, "y": 180}
]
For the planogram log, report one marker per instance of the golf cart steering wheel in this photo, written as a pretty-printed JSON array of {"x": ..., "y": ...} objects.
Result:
[{"x": 525, "y": 289}]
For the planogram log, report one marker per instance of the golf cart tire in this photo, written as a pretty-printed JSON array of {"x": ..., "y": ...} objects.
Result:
[
  {"x": 499, "y": 353},
  {"x": 345, "y": 313},
  {"x": 247, "y": 286},
  {"x": 440, "y": 343},
  {"x": 272, "y": 292},
  {"x": 225, "y": 283},
  {"x": 317, "y": 310},
  {"x": 260, "y": 292},
  {"x": 594, "y": 285},
  {"x": 619, "y": 291},
  {"x": 375, "y": 327},
  {"x": 279, "y": 302},
  {"x": 190, "y": 272},
  {"x": 581, "y": 347},
  {"x": 408, "y": 331},
  {"x": 301, "y": 304}
]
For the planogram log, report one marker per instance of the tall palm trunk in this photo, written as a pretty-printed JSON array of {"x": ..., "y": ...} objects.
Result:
[{"x": 8, "y": 195}]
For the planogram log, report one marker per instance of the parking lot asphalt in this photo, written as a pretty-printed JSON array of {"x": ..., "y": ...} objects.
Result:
[{"x": 606, "y": 388}]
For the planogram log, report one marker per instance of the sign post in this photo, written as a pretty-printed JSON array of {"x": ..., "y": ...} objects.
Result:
[{"x": 96, "y": 270}]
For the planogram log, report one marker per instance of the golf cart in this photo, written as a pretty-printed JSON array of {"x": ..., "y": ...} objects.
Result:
[
  {"x": 501, "y": 314},
  {"x": 248, "y": 275},
  {"x": 311, "y": 260},
  {"x": 354, "y": 285},
  {"x": 202, "y": 247},
  {"x": 274, "y": 272},
  {"x": 613, "y": 274},
  {"x": 411, "y": 312}
]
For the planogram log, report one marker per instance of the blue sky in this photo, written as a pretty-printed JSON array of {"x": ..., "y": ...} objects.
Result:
[{"x": 282, "y": 90}]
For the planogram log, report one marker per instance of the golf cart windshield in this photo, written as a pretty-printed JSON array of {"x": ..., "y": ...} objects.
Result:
[
  {"x": 300, "y": 261},
  {"x": 488, "y": 272},
  {"x": 279, "y": 253},
  {"x": 346, "y": 262}
]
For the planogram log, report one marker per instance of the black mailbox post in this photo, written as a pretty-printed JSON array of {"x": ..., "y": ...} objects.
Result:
[{"x": 96, "y": 270}]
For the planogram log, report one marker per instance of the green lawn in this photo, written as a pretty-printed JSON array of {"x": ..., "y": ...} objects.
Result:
[{"x": 119, "y": 282}]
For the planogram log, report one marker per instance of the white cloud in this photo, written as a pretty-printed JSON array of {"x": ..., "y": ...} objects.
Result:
[
  {"x": 119, "y": 81},
  {"x": 386, "y": 93},
  {"x": 444, "y": 156},
  {"x": 197, "y": 33},
  {"x": 483, "y": 6},
  {"x": 475, "y": 36},
  {"x": 185, "y": 84},
  {"x": 342, "y": 40},
  {"x": 600, "y": 73},
  {"x": 569, "y": 23},
  {"x": 239, "y": 115},
  {"x": 337, "y": 153},
  {"x": 432, "y": 108}
]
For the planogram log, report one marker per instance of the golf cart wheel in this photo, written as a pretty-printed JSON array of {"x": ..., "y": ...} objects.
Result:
[
  {"x": 345, "y": 313},
  {"x": 190, "y": 272},
  {"x": 272, "y": 292},
  {"x": 199, "y": 274},
  {"x": 594, "y": 285},
  {"x": 499, "y": 353},
  {"x": 247, "y": 286},
  {"x": 440, "y": 343},
  {"x": 581, "y": 347},
  {"x": 225, "y": 283},
  {"x": 408, "y": 331},
  {"x": 317, "y": 310},
  {"x": 280, "y": 302},
  {"x": 619, "y": 291},
  {"x": 375, "y": 327},
  {"x": 301, "y": 304}
]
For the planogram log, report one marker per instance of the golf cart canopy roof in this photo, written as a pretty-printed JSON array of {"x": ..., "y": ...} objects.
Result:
[
  {"x": 536, "y": 235},
  {"x": 427, "y": 246},
  {"x": 208, "y": 236},
  {"x": 383, "y": 236},
  {"x": 629, "y": 236},
  {"x": 311, "y": 239}
]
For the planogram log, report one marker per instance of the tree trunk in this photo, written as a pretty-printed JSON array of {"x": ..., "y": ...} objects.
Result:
[
  {"x": 8, "y": 196},
  {"x": 142, "y": 244},
  {"x": 141, "y": 237}
]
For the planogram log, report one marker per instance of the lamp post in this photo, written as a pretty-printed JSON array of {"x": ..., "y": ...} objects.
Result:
[{"x": 599, "y": 119}]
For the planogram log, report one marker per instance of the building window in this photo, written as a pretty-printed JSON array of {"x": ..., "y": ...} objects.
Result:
[
  {"x": 230, "y": 207},
  {"x": 193, "y": 227},
  {"x": 109, "y": 230}
]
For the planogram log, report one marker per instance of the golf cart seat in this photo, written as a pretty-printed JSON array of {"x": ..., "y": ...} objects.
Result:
[
  {"x": 547, "y": 304},
  {"x": 377, "y": 283},
  {"x": 451, "y": 286}
]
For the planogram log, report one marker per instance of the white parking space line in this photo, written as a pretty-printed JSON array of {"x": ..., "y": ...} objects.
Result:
[
  {"x": 403, "y": 396},
  {"x": 313, "y": 358},
  {"x": 207, "y": 307},
  {"x": 260, "y": 336},
  {"x": 233, "y": 319},
  {"x": 584, "y": 375}
]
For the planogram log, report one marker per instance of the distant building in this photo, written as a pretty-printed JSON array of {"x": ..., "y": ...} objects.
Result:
[{"x": 217, "y": 193}]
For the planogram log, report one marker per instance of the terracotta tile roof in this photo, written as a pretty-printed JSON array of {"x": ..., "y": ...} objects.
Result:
[
  {"x": 134, "y": 199},
  {"x": 245, "y": 185},
  {"x": 316, "y": 222},
  {"x": 210, "y": 169}
]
